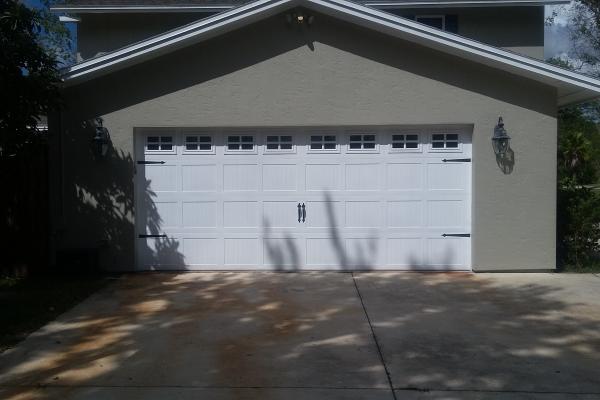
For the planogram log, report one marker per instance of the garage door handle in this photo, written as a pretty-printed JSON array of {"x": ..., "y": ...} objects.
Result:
[
  {"x": 151, "y": 162},
  {"x": 456, "y": 160},
  {"x": 151, "y": 236},
  {"x": 299, "y": 212},
  {"x": 303, "y": 212},
  {"x": 456, "y": 235}
]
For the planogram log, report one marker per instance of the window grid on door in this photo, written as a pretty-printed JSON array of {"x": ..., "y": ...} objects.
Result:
[
  {"x": 359, "y": 142},
  {"x": 240, "y": 143},
  {"x": 405, "y": 142},
  {"x": 279, "y": 144},
  {"x": 198, "y": 144},
  {"x": 444, "y": 141},
  {"x": 323, "y": 143},
  {"x": 160, "y": 143}
]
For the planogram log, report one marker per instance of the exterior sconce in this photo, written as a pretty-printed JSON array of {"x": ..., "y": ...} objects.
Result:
[
  {"x": 500, "y": 140},
  {"x": 101, "y": 139},
  {"x": 299, "y": 18}
]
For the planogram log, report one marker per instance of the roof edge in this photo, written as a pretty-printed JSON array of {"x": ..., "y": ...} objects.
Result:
[{"x": 379, "y": 4}]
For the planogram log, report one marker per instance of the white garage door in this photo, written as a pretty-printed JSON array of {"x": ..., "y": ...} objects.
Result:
[{"x": 364, "y": 198}]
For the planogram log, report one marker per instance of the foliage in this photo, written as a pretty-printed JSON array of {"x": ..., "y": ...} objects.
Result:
[
  {"x": 32, "y": 44},
  {"x": 578, "y": 203}
]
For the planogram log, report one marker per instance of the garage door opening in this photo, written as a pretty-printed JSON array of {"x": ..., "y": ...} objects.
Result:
[{"x": 304, "y": 198}]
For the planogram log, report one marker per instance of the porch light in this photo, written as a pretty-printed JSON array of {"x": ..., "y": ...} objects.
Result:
[
  {"x": 101, "y": 139},
  {"x": 500, "y": 140}
]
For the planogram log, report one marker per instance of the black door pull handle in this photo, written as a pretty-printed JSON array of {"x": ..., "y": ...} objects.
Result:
[
  {"x": 303, "y": 212},
  {"x": 299, "y": 212}
]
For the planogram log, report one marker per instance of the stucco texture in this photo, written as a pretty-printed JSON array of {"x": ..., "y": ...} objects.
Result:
[{"x": 331, "y": 74}]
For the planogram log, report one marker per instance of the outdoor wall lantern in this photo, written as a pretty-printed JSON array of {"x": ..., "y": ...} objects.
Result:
[
  {"x": 500, "y": 140},
  {"x": 101, "y": 139}
]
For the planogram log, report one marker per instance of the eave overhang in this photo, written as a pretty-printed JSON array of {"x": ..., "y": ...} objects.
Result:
[{"x": 571, "y": 87}]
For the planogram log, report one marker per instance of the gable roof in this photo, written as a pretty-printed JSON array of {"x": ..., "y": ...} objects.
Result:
[
  {"x": 97, "y": 6},
  {"x": 572, "y": 87}
]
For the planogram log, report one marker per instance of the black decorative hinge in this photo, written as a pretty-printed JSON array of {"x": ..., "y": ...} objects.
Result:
[
  {"x": 142, "y": 236},
  {"x": 151, "y": 162},
  {"x": 456, "y": 235},
  {"x": 456, "y": 160}
]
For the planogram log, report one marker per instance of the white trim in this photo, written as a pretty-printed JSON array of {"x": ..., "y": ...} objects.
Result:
[
  {"x": 134, "y": 9},
  {"x": 355, "y": 13},
  {"x": 461, "y": 3},
  {"x": 66, "y": 18}
]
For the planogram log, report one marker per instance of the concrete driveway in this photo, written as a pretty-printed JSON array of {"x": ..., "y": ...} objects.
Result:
[{"x": 319, "y": 336}]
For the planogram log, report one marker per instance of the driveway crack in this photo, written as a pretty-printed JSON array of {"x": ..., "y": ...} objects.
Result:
[{"x": 387, "y": 372}]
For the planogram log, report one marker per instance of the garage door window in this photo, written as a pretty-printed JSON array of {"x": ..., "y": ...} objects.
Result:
[
  {"x": 279, "y": 144},
  {"x": 362, "y": 142},
  {"x": 323, "y": 143},
  {"x": 445, "y": 142},
  {"x": 240, "y": 144},
  {"x": 160, "y": 144},
  {"x": 405, "y": 142},
  {"x": 198, "y": 144}
]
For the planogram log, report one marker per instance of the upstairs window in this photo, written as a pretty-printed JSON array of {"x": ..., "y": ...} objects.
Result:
[
  {"x": 160, "y": 143},
  {"x": 435, "y": 21}
]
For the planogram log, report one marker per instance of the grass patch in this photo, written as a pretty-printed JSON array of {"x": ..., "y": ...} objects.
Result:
[
  {"x": 591, "y": 267},
  {"x": 27, "y": 304}
]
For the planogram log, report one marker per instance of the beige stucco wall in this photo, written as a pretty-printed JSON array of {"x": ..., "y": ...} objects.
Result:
[{"x": 334, "y": 74}]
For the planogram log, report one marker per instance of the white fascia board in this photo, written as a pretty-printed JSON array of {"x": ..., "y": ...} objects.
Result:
[{"x": 352, "y": 12}]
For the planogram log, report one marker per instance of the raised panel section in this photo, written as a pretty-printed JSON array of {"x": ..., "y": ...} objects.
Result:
[
  {"x": 242, "y": 251},
  {"x": 446, "y": 213},
  {"x": 362, "y": 253},
  {"x": 279, "y": 177},
  {"x": 168, "y": 214},
  {"x": 446, "y": 252},
  {"x": 240, "y": 214},
  {"x": 362, "y": 177},
  {"x": 280, "y": 214},
  {"x": 240, "y": 177},
  {"x": 325, "y": 252},
  {"x": 161, "y": 178},
  {"x": 404, "y": 176},
  {"x": 404, "y": 252},
  {"x": 200, "y": 251},
  {"x": 363, "y": 214},
  {"x": 322, "y": 214},
  {"x": 404, "y": 214},
  {"x": 447, "y": 176},
  {"x": 199, "y": 178},
  {"x": 161, "y": 252},
  {"x": 282, "y": 252},
  {"x": 200, "y": 214},
  {"x": 323, "y": 177}
]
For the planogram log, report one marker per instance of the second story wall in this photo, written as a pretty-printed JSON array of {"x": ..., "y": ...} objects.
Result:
[{"x": 519, "y": 29}]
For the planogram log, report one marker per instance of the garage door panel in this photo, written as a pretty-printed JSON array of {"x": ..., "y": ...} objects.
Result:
[
  {"x": 364, "y": 208},
  {"x": 241, "y": 214},
  {"x": 199, "y": 178},
  {"x": 241, "y": 251},
  {"x": 363, "y": 177},
  {"x": 199, "y": 214},
  {"x": 280, "y": 214},
  {"x": 324, "y": 177},
  {"x": 405, "y": 176},
  {"x": 280, "y": 177},
  {"x": 241, "y": 177},
  {"x": 161, "y": 178},
  {"x": 405, "y": 214}
]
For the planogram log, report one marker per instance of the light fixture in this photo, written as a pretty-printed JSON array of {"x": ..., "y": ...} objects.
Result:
[
  {"x": 299, "y": 18},
  {"x": 500, "y": 140},
  {"x": 101, "y": 139}
]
